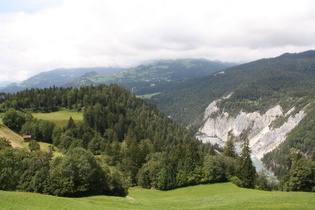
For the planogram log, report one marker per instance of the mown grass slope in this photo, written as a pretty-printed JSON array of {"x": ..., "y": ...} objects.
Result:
[
  {"x": 61, "y": 117},
  {"x": 13, "y": 137},
  {"x": 213, "y": 196},
  {"x": 17, "y": 141}
]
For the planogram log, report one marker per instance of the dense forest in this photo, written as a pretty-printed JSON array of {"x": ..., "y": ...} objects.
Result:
[{"x": 122, "y": 141}]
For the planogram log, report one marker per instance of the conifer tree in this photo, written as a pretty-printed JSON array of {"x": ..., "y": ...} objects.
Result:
[
  {"x": 212, "y": 152},
  {"x": 246, "y": 170},
  {"x": 71, "y": 123},
  {"x": 229, "y": 149}
]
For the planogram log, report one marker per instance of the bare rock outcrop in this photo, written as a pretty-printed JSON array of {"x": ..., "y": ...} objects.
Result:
[{"x": 262, "y": 136}]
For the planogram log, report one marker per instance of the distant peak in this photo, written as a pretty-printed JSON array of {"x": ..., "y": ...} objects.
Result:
[
  {"x": 92, "y": 73},
  {"x": 306, "y": 54}
]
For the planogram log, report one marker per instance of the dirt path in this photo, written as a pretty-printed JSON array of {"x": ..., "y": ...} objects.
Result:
[{"x": 129, "y": 198}]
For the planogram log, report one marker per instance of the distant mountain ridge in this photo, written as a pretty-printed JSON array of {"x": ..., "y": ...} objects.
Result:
[
  {"x": 137, "y": 78},
  {"x": 147, "y": 78},
  {"x": 57, "y": 77}
]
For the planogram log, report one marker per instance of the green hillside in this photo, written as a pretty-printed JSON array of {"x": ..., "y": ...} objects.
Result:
[
  {"x": 215, "y": 196},
  {"x": 266, "y": 81},
  {"x": 57, "y": 77},
  {"x": 153, "y": 77},
  {"x": 287, "y": 80}
]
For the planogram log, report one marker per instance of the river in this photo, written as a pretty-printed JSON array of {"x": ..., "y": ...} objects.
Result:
[{"x": 214, "y": 140}]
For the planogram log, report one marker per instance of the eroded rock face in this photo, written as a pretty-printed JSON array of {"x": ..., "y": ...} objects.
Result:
[{"x": 262, "y": 137}]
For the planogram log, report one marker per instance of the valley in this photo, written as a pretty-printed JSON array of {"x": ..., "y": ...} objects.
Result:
[{"x": 142, "y": 131}]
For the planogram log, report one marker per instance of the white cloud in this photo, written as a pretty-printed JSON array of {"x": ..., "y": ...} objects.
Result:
[{"x": 77, "y": 33}]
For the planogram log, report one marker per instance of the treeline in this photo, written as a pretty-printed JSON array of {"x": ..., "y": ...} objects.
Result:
[
  {"x": 128, "y": 134},
  {"x": 301, "y": 173},
  {"x": 76, "y": 174}
]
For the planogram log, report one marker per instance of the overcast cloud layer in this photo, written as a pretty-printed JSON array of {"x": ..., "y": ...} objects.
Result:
[{"x": 41, "y": 35}]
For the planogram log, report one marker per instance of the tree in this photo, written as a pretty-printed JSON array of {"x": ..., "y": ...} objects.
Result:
[
  {"x": 95, "y": 144},
  {"x": 166, "y": 179},
  {"x": 148, "y": 174},
  {"x": 193, "y": 158},
  {"x": 214, "y": 171},
  {"x": 313, "y": 156},
  {"x": 212, "y": 152},
  {"x": 4, "y": 143},
  {"x": 33, "y": 145},
  {"x": 14, "y": 119},
  {"x": 262, "y": 181},
  {"x": 35, "y": 173},
  {"x": 246, "y": 170},
  {"x": 78, "y": 174},
  {"x": 301, "y": 176},
  {"x": 71, "y": 124},
  {"x": 10, "y": 168},
  {"x": 229, "y": 149}
]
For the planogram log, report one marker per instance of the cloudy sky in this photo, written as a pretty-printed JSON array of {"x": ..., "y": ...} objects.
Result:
[{"x": 41, "y": 35}]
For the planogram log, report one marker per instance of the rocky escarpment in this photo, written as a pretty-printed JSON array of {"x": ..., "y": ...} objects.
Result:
[{"x": 263, "y": 137}]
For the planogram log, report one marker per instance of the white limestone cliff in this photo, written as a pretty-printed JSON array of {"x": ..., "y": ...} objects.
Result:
[{"x": 262, "y": 137}]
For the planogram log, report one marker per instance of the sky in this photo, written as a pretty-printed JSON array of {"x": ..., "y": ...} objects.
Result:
[{"x": 42, "y": 35}]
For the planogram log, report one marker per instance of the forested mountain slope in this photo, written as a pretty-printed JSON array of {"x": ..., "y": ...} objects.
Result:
[
  {"x": 269, "y": 97},
  {"x": 263, "y": 79}
]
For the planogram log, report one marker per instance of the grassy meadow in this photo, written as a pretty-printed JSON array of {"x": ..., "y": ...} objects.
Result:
[
  {"x": 60, "y": 118},
  {"x": 212, "y": 196}
]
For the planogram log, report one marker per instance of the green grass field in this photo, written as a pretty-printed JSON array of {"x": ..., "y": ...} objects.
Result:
[
  {"x": 213, "y": 196},
  {"x": 60, "y": 118}
]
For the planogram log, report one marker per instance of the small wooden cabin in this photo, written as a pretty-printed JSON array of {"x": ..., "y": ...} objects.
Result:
[{"x": 27, "y": 138}]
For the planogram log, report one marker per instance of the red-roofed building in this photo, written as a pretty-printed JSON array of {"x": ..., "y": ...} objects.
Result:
[{"x": 27, "y": 138}]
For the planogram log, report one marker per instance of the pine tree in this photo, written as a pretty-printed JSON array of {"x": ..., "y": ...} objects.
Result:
[
  {"x": 229, "y": 149},
  {"x": 246, "y": 170},
  {"x": 313, "y": 156},
  {"x": 71, "y": 123},
  {"x": 212, "y": 151}
]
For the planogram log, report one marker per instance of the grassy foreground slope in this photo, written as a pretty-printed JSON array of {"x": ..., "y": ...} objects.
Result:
[{"x": 213, "y": 196}]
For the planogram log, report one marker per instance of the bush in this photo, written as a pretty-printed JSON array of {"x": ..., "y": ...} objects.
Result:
[
  {"x": 33, "y": 145},
  {"x": 14, "y": 119},
  {"x": 235, "y": 180}
]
